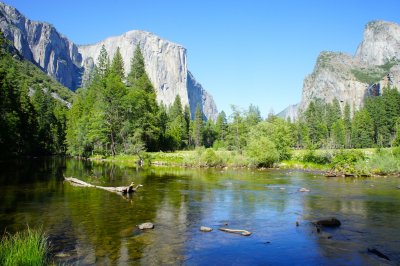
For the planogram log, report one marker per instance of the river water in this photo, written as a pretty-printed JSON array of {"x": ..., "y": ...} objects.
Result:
[{"x": 88, "y": 226}]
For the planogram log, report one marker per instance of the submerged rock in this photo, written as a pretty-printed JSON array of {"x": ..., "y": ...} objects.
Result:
[
  {"x": 145, "y": 226},
  {"x": 378, "y": 253},
  {"x": 205, "y": 229},
  {"x": 332, "y": 222}
]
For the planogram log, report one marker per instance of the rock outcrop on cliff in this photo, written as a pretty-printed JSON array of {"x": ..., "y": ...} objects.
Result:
[
  {"x": 41, "y": 44},
  {"x": 352, "y": 78},
  {"x": 166, "y": 62}
]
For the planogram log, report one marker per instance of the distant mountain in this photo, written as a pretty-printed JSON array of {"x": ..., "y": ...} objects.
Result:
[
  {"x": 166, "y": 62},
  {"x": 352, "y": 78},
  {"x": 289, "y": 112}
]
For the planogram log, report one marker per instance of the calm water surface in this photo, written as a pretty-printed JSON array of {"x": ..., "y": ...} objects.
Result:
[{"x": 88, "y": 226}]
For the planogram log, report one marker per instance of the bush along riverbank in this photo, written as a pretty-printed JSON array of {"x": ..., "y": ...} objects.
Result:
[
  {"x": 199, "y": 158},
  {"x": 354, "y": 162},
  {"x": 28, "y": 247}
]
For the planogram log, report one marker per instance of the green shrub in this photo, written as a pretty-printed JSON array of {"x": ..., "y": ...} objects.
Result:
[
  {"x": 384, "y": 163},
  {"x": 347, "y": 157},
  {"x": 210, "y": 159},
  {"x": 262, "y": 152},
  {"x": 396, "y": 152},
  {"x": 349, "y": 161},
  {"x": 312, "y": 157},
  {"x": 28, "y": 247}
]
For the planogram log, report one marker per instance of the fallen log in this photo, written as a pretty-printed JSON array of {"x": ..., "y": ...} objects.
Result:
[
  {"x": 236, "y": 231},
  {"x": 121, "y": 190}
]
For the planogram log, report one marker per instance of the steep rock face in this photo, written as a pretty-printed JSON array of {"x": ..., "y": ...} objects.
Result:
[
  {"x": 70, "y": 64},
  {"x": 289, "y": 112},
  {"x": 41, "y": 44},
  {"x": 333, "y": 78},
  {"x": 350, "y": 79},
  {"x": 198, "y": 95},
  {"x": 165, "y": 61},
  {"x": 381, "y": 43}
]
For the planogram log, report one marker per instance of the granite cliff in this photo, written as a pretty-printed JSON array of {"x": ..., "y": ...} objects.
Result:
[
  {"x": 55, "y": 54},
  {"x": 352, "y": 78}
]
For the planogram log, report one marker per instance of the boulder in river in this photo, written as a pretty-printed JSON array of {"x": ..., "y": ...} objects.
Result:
[
  {"x": 303, "y": 189},
  {"x": 145, "y": 226},
  {"x": 205, "y": 229},
  {"x": 331, "y": 222}
]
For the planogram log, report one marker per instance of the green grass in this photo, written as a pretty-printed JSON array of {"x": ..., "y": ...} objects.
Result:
[
  {"x": 200, "y": 157},
  {"x": 28, "y": 247},
  {"x": 359, "y": 162}
]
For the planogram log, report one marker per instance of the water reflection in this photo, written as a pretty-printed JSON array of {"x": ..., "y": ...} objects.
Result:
[{"x": 90, "y": 226}]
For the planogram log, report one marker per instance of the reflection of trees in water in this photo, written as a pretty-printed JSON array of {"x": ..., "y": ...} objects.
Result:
[{"x": 107, "y": 222}]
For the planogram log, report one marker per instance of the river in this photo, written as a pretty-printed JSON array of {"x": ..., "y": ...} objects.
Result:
[{"x": 88, "y": 226}]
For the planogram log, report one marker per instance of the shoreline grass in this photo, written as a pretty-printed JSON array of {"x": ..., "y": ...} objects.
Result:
[
  {"x": 28, "y": 247},
  {"x": 356, "y": 162}
]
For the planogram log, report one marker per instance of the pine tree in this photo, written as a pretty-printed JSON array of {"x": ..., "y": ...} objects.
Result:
[
  {"x": 103, "y": 64},
  {"x": 347, "y": 125},
  {"x": 186, "y": 115},
  {"x": 315, "y": 116},
  {"x": 253, "y": 116},
  {"x": 221, "y": 126},
  {"x": 209, "y": 133},
  {"x": 338, "y": 134},
  {"x": 198, "y": 127},
  {"x": 137, "y": 66},
  {"x": 177, "y": 127},
  {"x": 117, "y": 65},
  {"x": 333, "y": 114},
  {"x": 142, "y": 102},
  {"x": 362, "y": 129}
]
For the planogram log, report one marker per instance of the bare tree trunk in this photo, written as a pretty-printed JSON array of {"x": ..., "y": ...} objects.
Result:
[{"x": 112, "y": 144}]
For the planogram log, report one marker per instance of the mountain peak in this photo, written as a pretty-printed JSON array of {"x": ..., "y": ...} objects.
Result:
[
  {"x": 381, "y": 43},
  {"x": 349, "y": 79}
]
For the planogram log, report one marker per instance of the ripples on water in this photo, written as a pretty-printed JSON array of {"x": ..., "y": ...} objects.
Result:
[{"x": 90, "y": 226}]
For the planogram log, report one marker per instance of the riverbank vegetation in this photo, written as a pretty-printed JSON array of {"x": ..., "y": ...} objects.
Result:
[
  {"x": 27, "y": 247},
  {"x": 352, "y": 162}
]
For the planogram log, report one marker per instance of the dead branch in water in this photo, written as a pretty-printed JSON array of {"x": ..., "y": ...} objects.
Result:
[
  {"x": 236, "y": 231},
  {"x": 121, "y": 190}
]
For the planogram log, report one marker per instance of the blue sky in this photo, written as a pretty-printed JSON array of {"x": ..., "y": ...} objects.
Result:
[{"x": 242, "y": 52}]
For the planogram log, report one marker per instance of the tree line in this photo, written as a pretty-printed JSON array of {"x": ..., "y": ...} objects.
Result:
[
  {"x": 116, "y": 113},
  {"x": 375, "y": 124}
]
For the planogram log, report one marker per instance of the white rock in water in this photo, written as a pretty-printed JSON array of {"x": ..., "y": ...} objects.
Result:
[
  {"x": 205, "y": 229},
  {"x": 145, "y": 226}
]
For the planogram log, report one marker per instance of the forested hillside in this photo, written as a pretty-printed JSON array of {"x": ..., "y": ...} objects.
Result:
[{"x": 33, "y": 107}]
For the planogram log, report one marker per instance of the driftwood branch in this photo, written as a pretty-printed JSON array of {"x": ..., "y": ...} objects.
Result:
[
  {"x": 121, "y": 190},
  {"x": 236, "y": 231}
]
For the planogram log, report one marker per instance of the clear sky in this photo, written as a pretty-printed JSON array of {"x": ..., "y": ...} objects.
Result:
[{"x": 242, "y": 52}]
